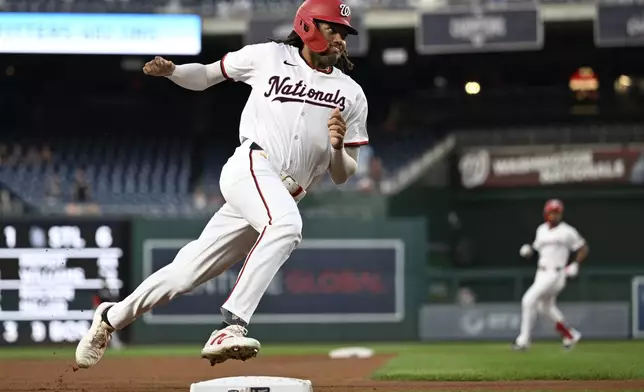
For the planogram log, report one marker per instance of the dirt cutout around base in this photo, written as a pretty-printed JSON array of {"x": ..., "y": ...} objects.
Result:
[{"x": 176, "y": 374}]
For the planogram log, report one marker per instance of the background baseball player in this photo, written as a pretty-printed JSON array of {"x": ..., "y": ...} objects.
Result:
[
  {"x": 304, "y": 117},
  {"x": 554, "y": 241}
]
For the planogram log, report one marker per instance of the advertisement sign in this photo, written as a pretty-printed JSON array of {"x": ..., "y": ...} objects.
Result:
[
  {"x": 485, "y": 168},
  {"x": 619, "y": 24},
  {"x": 502, "y": 321},
  {"x": 480, "y": 29},
  {"x": 124, "y": 34},
  {"x": 49, "y": 272},
  {"x": 638, "y": 307},
  {"x": 324, "y": 281},
  {"x": 262, "y": 29}
]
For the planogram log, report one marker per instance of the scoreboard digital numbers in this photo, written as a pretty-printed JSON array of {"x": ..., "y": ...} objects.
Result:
[{"x": 49, "y": 272}]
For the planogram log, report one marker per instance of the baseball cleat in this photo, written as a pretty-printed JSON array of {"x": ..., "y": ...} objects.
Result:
[
  {"x": 230, "y": 343},
  {"x": 569, "y": 343},
  {"x": 92, "y": 346},
  {"x": 517, "y": 347}
]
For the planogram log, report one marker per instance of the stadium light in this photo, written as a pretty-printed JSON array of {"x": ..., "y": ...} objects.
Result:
[
  {"x": 472, "y": 88},
  {"x": 394, "y": 56}
]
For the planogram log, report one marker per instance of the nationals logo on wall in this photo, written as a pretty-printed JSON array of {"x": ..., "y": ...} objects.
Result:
[{"x": 487, "y": 168}]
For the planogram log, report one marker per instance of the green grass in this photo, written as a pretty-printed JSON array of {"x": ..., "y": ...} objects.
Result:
[
  {"x": 437, "y": 362},
  {"x": 192, "y": 350},
  {"x": 495, "y": 362},
  {"x": 52, "y": 352}
]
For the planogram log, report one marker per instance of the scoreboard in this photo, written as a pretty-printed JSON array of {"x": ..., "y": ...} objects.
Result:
[{"x": 49, "y": 271}]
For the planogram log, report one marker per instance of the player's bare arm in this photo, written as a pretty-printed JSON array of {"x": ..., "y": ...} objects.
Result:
[
  {"x": 572, "y": 269},
  {"x": 344, "y": 161},
  {"x": 582, "y": 254},
  {"x": 192, "y": 76}
]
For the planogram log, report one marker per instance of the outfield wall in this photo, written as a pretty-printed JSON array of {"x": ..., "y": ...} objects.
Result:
[
  {"x": 348, "y": 280},
  {"x": 502, "y": 321}
]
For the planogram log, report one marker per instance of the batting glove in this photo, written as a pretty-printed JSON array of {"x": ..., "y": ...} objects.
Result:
[{"x": 572, "y": 269}]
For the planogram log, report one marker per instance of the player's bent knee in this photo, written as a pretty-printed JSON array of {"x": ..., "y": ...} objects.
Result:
[
  {"x": 528, "y": 301},
  {"x": 290, "y": 226}
]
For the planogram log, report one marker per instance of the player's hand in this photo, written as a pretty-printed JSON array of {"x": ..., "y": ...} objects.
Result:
[
  {"x": 525, "y": 251},
  {"x": 572, "y": 269},
  {"x": 159, "y": 67},
  {"x": 337, "y": 129}
]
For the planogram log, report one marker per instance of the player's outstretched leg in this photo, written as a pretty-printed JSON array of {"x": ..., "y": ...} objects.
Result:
[
  {"x": 225, "y": 240},
  {"x": 253, "y": 187},
  {"x": 528, "y": 316}
]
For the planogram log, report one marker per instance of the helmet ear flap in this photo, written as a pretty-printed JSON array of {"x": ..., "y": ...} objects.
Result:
[{"x": 306, "y": 27}]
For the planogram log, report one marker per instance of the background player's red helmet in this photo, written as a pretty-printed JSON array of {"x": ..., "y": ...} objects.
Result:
[
  {"x": 330, "y": 11},
  {"x": 553, "y": 205}
]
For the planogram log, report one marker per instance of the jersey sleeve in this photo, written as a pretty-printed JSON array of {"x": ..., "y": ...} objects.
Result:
[
  {"x": 575, "y": 240},
  {"x": 357, "y": 123},
  {"x": 243, "y": 65}
]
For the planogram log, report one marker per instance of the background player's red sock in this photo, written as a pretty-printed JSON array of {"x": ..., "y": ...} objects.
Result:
[{"x": 563, "y": 330}]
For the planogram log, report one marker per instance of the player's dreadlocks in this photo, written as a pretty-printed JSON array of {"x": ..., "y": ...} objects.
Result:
[{"x": 343, "y": 64}]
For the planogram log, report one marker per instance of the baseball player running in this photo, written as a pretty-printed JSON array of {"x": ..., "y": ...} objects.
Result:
[
  {"x": 304, "y": 117},
  {"x": 554, "y": 241}
]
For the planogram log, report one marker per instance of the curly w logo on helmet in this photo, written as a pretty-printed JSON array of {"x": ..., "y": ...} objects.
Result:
[{"x": 345, "y": 10}]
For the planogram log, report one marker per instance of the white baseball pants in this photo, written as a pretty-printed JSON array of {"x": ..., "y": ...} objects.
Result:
[
  {"x": 260, "y": 221},
  {"x": 541, "y": 298}
]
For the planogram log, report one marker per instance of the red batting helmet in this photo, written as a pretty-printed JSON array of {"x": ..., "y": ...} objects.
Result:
[
  {"x": 553, "y": 205},
  {"x": 330, "y": 11}
]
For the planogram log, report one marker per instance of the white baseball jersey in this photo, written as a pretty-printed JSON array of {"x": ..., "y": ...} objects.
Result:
[
  {"x": 555, "y": 244},
  {"x": 290, "y": 104}
]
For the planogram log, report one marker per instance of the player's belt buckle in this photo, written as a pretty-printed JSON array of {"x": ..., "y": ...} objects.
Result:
[
  {"x": 556, "y": 269},
  {"x": 296, "y": 191}
]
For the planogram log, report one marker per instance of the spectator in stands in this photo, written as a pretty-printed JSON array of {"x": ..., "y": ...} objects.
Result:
[
  {"x": 16, "y": 155},
  {"x": 372, "y": 181},
  {"x": 81, "y": 197},
  {"x": 8, "y": 205},
  {"x": 3, "y": 154},
  {"x": 637, "y": 175},
  {"x": 46, "y": 155},
  {"x": 53, "y": 190},
  {"x": 199, "y": 199},
  {"x": 32, "y": 157},
  {"x": 376, "y": 172},
  {"x": 80, "y": 189},
  {"x": 390, "y": 124},
  {"x": 465, "y": 296},
  {"x": 5, "y": 202}
]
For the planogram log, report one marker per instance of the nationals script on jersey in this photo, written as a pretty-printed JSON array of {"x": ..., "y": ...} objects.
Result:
[
  {"x": 555, "y": 244},
  {"x": 290, "y": 104}
]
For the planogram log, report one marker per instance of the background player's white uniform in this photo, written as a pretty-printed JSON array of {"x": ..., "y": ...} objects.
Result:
[{"x": 554, "y": 245}]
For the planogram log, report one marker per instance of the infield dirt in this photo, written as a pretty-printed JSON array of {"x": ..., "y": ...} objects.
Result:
[{"x": 177, "y": 373}]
